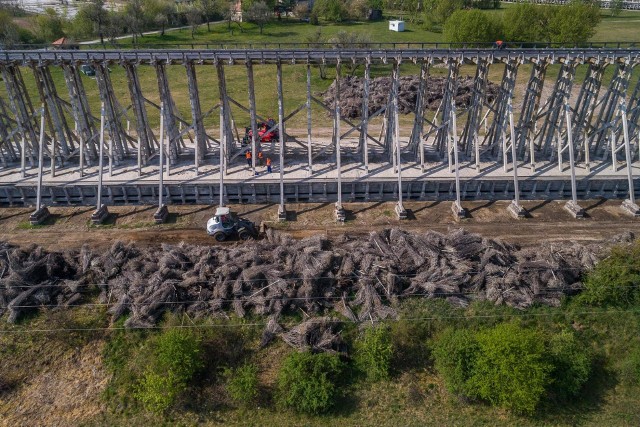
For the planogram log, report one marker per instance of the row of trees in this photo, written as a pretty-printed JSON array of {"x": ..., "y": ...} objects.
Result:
[
  {"x": 524, "y": 22},
  {"x": 93, "y": 19}
]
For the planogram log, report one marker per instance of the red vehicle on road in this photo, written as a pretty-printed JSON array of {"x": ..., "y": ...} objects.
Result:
[{"x": 264, "y": 132}]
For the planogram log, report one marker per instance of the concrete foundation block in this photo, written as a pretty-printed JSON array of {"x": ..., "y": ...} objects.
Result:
[
  {"x": 458, "y": 211},
  {"x": 631, "y": 208},
  {"x": 574, "y": 209},
  {"x": 401, "y": 211},
  {"x": 161, "y": 215},
  {"x": 341, "y": 214},
  {"x": 516, "y": 210},
  {"x": 39, "y": 216},
  {"x": 282, "y": 213},
  {"x": 100, "y": 215}
]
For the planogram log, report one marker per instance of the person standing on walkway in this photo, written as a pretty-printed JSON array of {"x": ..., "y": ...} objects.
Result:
[
  {"x": 260, "y": 158},
  {"x": 268, "y": 165},
  {"x": 248, "y": 156}
]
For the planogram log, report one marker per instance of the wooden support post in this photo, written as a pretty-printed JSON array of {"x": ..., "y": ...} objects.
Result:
[
  {"x": 160, "y": 216},
  {"x": 514, "y": 208},
  {"x": 101, "y": 213},
  {"x": 340, "y": 212},
  {"x": 252, "y": 109},
  {"x": 629, "y": 205},
  {"x": 23, "y": 157},
  {"x": 41, "y": 213},
  {"x": 572, "y": 206},
  {"x": 364, "y": 129},
  {"x": 400, "y": 210},
  {"x": 457, "y": 208},
  {"x": 196, "y": 116},
  {"x": 282, "y": 212},
  {"x": 309, "y": 147}
]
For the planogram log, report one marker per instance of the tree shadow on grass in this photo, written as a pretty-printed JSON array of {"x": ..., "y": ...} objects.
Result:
[{"x": 578, "y": 410}]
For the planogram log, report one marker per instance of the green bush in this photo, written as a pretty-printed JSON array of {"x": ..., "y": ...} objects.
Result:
[
  {"x": 571, "y": 364},
  {"x": 471, "y": 26},
  {"x": 374, "y": 352},
  {"x": 176, "y": 358},
  {"x": 307, "y": 382},
  {"x": 510, "y": 369},
  {"x": 455, "y": 352},
  {"x": 242, "y": 383},
  {"x": 631, "y": 366},
  {"x": 615, "y": 281}
]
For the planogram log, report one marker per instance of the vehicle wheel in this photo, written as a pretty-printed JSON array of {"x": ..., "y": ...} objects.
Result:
[
  {"x": 220, "y": 236},
  {"x": 244, "y": 234}
]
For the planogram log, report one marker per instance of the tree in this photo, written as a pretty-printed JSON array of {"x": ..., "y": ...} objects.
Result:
[
  {"x": 134, "y": 18},
  {"x": 331, "y": 10},
  {"x": 574, "y": 23},
  {"x": 82, "y": 26},
  {"x": 440, "y": 10},
  {"x": 571, "y": 364},
  {"x": 98, "y": 15},
  {"x": 350, "y": 39},
  {"x": 9, "y": 35},
  {"x": 259, "y": 13},
  {"x": 471, "y": 26},
  {"x": 510, "y": 369},
  {"x": 317, "y": 38},
  {"x": 194, "y": 18},
  {"x": 229, "y": 13},
  {"x": 158, "y": 12},
  {"x": 208, "y": 8},
  {"x": 614, "y": 280},
  {"x": 114, "y": 26},
  {"x": 177, "y": 356},
  {"x": 373, "y": 353},
  {"x": 455, "y": 353},
  {"x": 307, "y": 382},
  {"x": 525, "y": 22},
  {"x": 616, "y": 7},
  {"x": 50, "y": 25}
]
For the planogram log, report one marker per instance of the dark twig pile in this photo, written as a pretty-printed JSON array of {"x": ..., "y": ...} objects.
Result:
[
  {"x": 351, "y": 91},
  {"x": 360, "y": 278}
]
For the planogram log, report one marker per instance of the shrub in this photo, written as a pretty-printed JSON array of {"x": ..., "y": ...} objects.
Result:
[
  {"x": 631, "y": 367},
  {"x": 614, "y": 281},
  {"x": 510, "y": 369},
  {"x": 307, "y": 382},
  {"x": 374, "y": 352},
  {"x": 176, "y": 358},
  {"x": 242, "y": 383},
  {"x": 331, "y": 10},
  {"x": 571, "y": 364},
  {"x": 455, "y": 352}
]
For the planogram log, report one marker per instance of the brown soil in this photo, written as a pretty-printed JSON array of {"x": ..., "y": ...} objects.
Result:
[{"x": 70, "y": 227}]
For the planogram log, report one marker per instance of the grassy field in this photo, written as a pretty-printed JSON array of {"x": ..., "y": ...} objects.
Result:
[{"x": 414, "y": 396}]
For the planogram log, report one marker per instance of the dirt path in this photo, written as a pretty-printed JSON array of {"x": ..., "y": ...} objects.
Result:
[{"x": 70, "y": 227}]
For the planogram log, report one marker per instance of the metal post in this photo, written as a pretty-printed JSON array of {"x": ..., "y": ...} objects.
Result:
[
  {"x": 100, "y": 155},
  {"x": 614, "y": 160},
  {"x": 160, "y": 172},
  {"x": 282, "y": 213},
  {"x": 309, "y": 148},
  {"x": 40, "y": 160}
]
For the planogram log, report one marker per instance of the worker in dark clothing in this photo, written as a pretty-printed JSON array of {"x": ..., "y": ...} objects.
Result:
[
  {"x": 499, "y": 44},
  {"x": 260, "y": 158},
  {"x": 248, "y": 156},
  {"x": 268, "y": 165}
]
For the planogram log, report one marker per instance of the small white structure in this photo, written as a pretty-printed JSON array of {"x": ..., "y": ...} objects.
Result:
[{"x": 396, "y": 26}]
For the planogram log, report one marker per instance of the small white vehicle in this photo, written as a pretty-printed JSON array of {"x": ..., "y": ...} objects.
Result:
[{"x": 225, "y": 224}]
